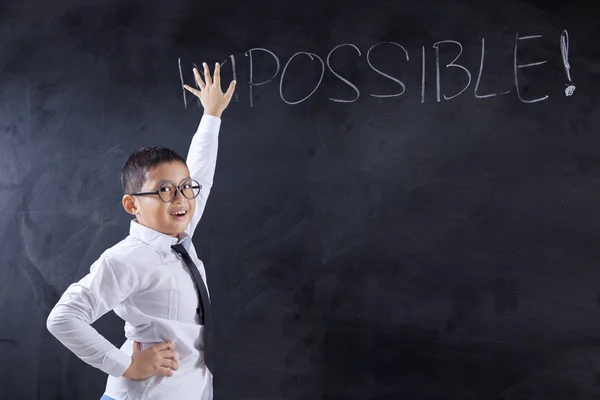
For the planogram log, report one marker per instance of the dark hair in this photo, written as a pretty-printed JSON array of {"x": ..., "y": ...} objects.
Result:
[{"x": 133, "y": 174}]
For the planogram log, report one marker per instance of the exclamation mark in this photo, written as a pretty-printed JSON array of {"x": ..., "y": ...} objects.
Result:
[{"x": 564, "y": 50}]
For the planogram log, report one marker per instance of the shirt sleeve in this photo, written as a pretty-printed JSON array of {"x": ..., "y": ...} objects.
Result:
[
  {"x": 107, "y": 285},
  {"x": 202, "y": 161}
]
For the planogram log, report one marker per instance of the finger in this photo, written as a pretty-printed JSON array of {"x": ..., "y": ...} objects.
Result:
[
  {"x": 170, "y": 364},
  {"x": 230, "y": 91},
  {"x": 163, "y": 346},
  {"x": 164, "y": 371},
  {"x": 167, "y": 354},
  {"x": 196, "y": 92},
  {"x": 198, "y": 78},
  {"x": 207, "y": 75},
  {"x": 217, "y": 75},
  {"x": 137, "y": 347}
]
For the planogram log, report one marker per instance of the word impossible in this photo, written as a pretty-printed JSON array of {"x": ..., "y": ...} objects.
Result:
[{"x": 399, "y": 84}]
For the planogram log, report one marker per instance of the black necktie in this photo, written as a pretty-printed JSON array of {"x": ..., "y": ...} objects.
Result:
[{"x": 204, "y": 302}]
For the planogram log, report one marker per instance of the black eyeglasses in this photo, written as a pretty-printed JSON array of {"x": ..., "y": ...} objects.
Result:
[{"x": 168, "y": 191}]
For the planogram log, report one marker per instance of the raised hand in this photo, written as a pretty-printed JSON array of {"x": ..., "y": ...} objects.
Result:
[{"x": 210, "y": 94}]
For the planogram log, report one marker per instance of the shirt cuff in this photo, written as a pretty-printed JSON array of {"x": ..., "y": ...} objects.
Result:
[
  {"x": 209, "y": 124},
  {"x": 117, "y": 363}
]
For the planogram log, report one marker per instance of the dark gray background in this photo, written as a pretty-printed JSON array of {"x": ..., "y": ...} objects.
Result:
[{"x": 386, "y": 248}]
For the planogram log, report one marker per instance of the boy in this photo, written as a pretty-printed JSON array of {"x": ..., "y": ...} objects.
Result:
[{"x": 153, "y": 278}]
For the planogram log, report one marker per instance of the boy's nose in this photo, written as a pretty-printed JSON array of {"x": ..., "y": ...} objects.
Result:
[{"x": 178, "y": 196}]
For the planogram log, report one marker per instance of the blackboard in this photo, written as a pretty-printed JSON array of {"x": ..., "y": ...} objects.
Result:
[{"x": 405, "y": 204}]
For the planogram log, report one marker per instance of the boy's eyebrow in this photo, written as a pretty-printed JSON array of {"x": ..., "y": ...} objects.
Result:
[{"x": 168, "y": 181}]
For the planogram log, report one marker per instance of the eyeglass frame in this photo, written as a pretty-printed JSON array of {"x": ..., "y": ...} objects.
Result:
[{"x": 177, "y": 190}]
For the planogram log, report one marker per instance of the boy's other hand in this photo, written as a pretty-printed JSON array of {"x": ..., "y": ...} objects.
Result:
[
  {"x": 160, "y": 359},
  {"x": 210, "y": 94}
]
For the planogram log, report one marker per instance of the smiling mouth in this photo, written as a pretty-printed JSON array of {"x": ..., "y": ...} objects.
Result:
[{"x": 179, "y": 213}]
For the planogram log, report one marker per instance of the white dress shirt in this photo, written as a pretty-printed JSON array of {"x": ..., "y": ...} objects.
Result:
[{"x": 148, "y": 285}]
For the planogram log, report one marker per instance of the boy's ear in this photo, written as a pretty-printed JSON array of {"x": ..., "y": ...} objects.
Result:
[{"x": 129, "y": 204}]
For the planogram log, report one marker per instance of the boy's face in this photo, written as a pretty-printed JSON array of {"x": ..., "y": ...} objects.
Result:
[{"x": 151, "y": 211}]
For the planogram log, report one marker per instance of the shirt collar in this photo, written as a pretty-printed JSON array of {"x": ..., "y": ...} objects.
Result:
[{"x": 157, "y": 239}]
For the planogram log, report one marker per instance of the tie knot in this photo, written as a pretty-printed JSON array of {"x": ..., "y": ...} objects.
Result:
[{"x": 178, "y": 248}]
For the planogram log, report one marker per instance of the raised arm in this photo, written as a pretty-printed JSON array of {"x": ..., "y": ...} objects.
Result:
[
  {"x": 202, "y": 155},
  {"x": 202, "y": 161}
]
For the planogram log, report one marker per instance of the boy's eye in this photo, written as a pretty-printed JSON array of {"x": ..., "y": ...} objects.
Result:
[
  {"x": 187, "y": 186},
  {"x": 165, "y": 189}
]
